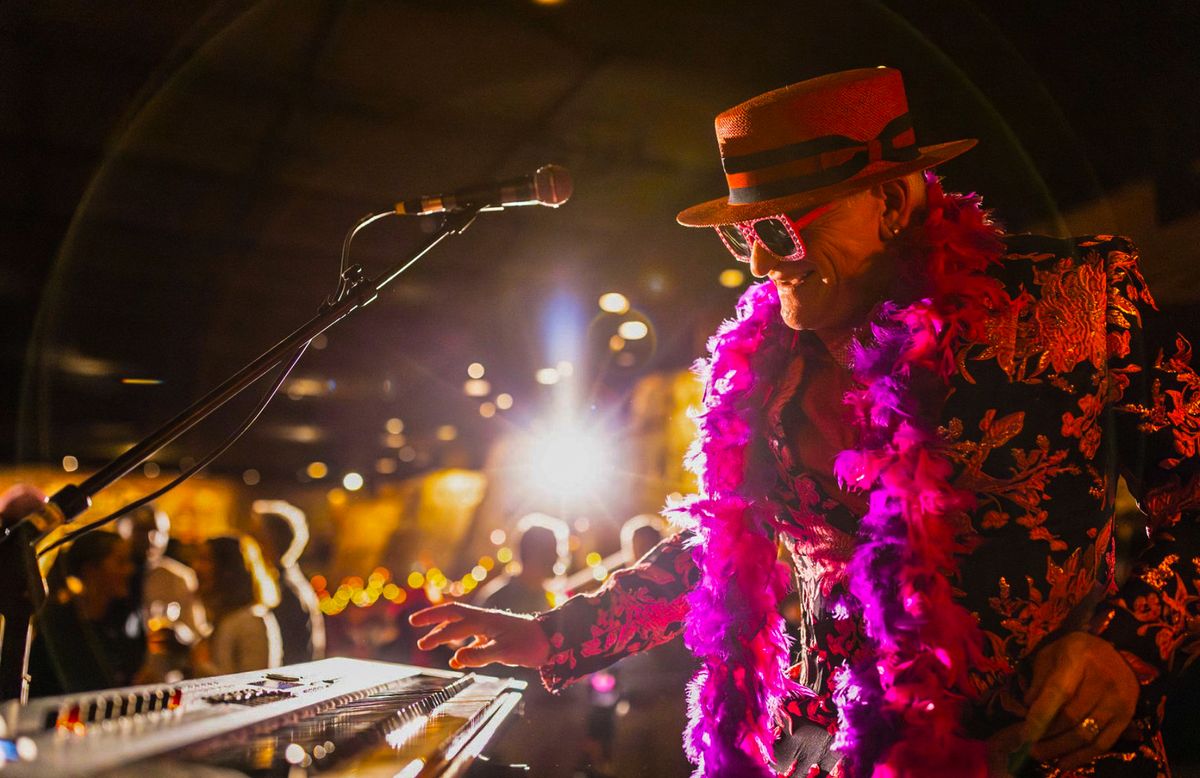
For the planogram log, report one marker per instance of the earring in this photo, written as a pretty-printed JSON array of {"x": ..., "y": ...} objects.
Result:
[{"x": 895, "y": 231}]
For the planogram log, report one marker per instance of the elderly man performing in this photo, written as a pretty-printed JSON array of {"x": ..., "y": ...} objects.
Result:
[{"x": 930, "y": 416}]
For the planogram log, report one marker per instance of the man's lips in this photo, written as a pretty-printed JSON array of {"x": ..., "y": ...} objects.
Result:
[{"x": 802, "y": 272}]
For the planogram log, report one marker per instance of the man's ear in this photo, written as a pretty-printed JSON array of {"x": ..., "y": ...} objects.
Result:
[{"x": 902, "y": 198}]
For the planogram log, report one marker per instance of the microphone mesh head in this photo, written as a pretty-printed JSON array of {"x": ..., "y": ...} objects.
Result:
[{"x": 552, "y": 185}]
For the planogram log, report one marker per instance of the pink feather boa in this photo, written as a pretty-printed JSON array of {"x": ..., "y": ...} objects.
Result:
[{"x": 901, "y": 705}]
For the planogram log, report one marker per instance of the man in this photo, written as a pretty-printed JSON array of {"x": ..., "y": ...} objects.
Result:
[
  {"x": 540, "y": 550},
  {"x": 930, "y": 416},
  {"x": 281, "y": 530}
]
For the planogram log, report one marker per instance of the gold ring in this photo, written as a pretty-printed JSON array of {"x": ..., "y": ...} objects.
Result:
[{"x": 1090, "y": 726}]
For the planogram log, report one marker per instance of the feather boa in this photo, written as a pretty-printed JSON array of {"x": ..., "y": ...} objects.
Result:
[{"x": 900, "y": 705}]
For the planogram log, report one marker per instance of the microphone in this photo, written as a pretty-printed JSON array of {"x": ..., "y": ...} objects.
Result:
[{"x": 549, "y": 185}]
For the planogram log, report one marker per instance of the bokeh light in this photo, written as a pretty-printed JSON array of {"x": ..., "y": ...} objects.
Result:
[
  {"x": 504, "y": 401},
  {"x": 70, "y": 463},
  {"x": 633, "y": 330},
  {"x": 317, "y": 470},
  {"x": 614, "y": 302},
  {"x": 394, "y": 426},
  {"x": 352, "y": 481},
  {"x": 731, "y": 278},
  {"x": 477, "y": 387},
  {"x": 475, "y": 370}
]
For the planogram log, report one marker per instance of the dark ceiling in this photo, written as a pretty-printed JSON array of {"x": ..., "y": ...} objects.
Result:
[{"x": 179, "y": 177}]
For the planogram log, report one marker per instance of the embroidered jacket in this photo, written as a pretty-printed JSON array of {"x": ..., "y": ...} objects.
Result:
[{"x": 1065, "y": 393}]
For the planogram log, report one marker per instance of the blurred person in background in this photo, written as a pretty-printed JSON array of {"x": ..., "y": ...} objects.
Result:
[
  {"x": 541, "y": 556},
  {"x": 552, "y": 735},
  {"x": 165, "y": 592},
  {"x": 650, "y": 685},
  {"x": 281, "y": 529},
  {"x": 86, "y": 636},
  {"x": 238, "y": 593}
]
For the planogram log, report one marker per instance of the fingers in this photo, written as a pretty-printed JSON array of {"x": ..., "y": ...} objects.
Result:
[
  {"x": 1082, "y": 698},
  {"x": 478, "y": 654},
  {"x": 1104, "y": 741},
  {"x": 1054, "y": 694},
  {"x": 450, "y": 611},
  {"x": 449, "y": 632}
]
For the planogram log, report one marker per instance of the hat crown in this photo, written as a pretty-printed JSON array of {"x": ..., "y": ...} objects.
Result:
[
  {"x": 812, "y": 142},
  {"x": 856, "y": 104}
]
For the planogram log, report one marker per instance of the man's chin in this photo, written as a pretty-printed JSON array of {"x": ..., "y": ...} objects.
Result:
[{"x": 792, "y": 318}]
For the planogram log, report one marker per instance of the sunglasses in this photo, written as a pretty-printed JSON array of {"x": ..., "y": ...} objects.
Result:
[{"x": 779, "y": 234}]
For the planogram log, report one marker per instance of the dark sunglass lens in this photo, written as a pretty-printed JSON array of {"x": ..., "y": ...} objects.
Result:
[
  {"x": 775, "y": 237},
  {"x": 736, "y": 240}
]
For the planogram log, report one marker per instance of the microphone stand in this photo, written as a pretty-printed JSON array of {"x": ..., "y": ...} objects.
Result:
[{"x": 22, "y": 586}]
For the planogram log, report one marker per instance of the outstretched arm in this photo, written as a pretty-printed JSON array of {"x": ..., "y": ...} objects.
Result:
[{"x": 637, "y": 608}]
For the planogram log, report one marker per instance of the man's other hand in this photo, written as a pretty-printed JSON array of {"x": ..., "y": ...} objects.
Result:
[
  {"x": 1082, "y": 698},
  {"x": 498, "y": 636}
]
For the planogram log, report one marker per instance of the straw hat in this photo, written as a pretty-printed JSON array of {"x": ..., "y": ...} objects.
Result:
[{"x": 812, "y": 142}]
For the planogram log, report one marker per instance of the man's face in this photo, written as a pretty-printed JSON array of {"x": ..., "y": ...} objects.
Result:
[{"x": 843, "y": 274}]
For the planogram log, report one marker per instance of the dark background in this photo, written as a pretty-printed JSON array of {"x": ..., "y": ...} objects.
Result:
[{"x": 178, "y": 178}]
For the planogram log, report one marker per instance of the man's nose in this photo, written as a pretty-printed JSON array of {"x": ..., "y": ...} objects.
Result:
[{"x": 762, "y": 261}]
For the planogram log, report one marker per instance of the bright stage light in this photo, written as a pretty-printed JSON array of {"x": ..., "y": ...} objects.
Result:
[{"x": 567, "y": 462}]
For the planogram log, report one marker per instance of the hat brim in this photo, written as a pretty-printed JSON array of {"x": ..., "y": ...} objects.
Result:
[{"x": 720, "y": 211}]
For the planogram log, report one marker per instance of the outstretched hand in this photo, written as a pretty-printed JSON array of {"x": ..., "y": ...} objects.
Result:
[{"x": 498, "y": 636}]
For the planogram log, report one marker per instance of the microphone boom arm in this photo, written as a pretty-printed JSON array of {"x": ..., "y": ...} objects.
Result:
[{"x": 25, "y": 589}]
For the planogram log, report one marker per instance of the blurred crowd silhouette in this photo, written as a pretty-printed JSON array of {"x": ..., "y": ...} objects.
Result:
[{"x": 130, "y": 606}]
